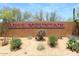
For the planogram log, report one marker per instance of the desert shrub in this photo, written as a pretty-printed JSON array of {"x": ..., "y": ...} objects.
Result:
[
  {"x": 76, "y": 47},
  {"x": 15, "y": 44},
  {"x": 52, "y": 41},
  {"x": 40, "y": 47},
  {"x": 40, "y": 34},
  {"x": 71, "y": 42},
  {"x": 73, "y": 45}
]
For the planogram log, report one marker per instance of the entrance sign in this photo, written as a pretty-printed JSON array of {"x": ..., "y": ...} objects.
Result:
[{"x": 32, "y": 25}]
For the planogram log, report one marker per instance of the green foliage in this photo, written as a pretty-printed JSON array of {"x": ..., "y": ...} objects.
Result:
[
  {"x": 53, "y": 16},
  {"x": 73, "y": 45},
  {"x": 71, "y": 42},
  {"x": 77, "y": 47},
  {"x": 6, "y": 14},
  {"x": 39, "y": 15},
  {"x": 53, "y": 41},
  {"x": 47, "y": 16},
  {"x": 11, "y": 14},
  {"x": 16, "y": 14},
  {"x": 15, "y": 44},
  {"x": 27, "y": 15}
]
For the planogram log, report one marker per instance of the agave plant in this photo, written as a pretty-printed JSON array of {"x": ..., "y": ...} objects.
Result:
[
  {"x": 77, "y": 47},
  {"x": 71, "y": 43},
  {"x": 15, "y": 44},
  {"x": 74, "y": 46}
]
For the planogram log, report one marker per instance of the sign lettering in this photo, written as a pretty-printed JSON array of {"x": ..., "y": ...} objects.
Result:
[{"x": 31, "y": 25}]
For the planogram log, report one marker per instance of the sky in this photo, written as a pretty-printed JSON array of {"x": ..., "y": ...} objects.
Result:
[{"x": 64, "y": 10}]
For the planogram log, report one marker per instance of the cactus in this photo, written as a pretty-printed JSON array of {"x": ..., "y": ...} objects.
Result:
[{"x": 40, "y": 34}]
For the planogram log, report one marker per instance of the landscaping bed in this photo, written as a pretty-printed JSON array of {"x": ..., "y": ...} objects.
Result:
[{"x": 29, "y": 47}]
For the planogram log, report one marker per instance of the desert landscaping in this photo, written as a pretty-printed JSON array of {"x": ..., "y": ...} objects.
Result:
[
  {"x": 39, "y": 32},
  {"x": 29, "y": 48}
]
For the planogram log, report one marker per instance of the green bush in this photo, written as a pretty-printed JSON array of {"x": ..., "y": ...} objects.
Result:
[
  {"x": 77, "y": 47},
  {"x": 15, "y": 44},
  {"x": 71, "y": 42},
  {"x": 73, "y": 45},
  {"x": 53, "y": 41}
]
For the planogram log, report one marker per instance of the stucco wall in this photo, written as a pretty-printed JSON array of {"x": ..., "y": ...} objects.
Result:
[{"x": 67, "y": 30}]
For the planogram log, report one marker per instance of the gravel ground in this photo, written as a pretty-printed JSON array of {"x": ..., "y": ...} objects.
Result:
[{"x": 29, "y": 48}]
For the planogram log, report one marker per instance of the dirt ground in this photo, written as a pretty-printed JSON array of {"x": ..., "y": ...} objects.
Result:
[{"x": 29, "y": 48}]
